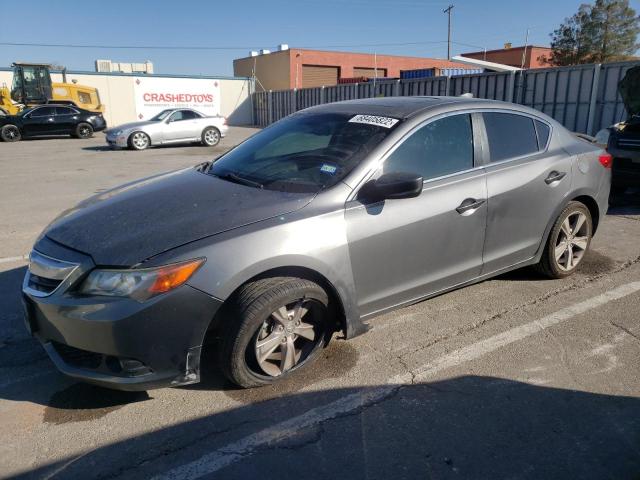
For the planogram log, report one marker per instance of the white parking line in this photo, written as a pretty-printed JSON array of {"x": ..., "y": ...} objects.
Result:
[
  {"x": 236, "y": 451},
  {"x": 19, "y": 258}
]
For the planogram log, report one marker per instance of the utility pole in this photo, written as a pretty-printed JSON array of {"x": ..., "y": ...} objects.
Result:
[
  {"x": 448, "y": 11},
  {"x": 524, "y": 52}
]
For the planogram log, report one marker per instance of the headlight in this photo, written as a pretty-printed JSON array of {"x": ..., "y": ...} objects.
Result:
[
  {"x": 139, "y": 284},
  {"x": 118, "y": 132}
]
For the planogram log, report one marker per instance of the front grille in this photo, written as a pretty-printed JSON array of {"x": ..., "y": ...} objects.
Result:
[
  {"x": 46, "y": 274},
  {"x": 42, "y": 284},
  {"x": 108, "y": 364},
  {"x": 77, "y": 357}
]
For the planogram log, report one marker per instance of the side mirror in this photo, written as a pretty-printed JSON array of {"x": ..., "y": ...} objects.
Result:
[{"x": 392, "y": 186}]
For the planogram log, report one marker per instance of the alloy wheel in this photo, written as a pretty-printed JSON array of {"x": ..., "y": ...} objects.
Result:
[
  {"x": 11, "y": 133},
  {"x": 572, "y": 241},
  {"x": 140, "y": 140},
  {"x": 211, "y": 137},
  {"x": 287, "y": 337},
  {"x": 84, "y": 132}
]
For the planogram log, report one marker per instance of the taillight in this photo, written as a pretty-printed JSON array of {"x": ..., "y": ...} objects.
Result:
[
  {"x": 606, "y": 159},
  {"x": 224, "y": 120}
]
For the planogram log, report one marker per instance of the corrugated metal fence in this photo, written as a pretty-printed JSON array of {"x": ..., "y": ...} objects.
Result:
[{"x": 583, "y": 98}]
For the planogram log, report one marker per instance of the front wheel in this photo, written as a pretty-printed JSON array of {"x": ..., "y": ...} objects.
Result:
[
  {"x": 210, "y": 137},
  {"x": 139, "y": 141},
  {"x": 568, "y": 242},
  {"x": 273, "y": 327},
  {"x": 10, "y": 133}
]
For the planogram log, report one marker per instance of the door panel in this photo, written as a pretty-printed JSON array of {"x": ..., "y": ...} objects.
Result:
[
  {"x": 42, "y": 121},
  {"x": 181, "y": 126},
  {"x": 521, "y": 204},
  {"x": 402, "y": 250},
  {"x": 66, "y": 119}
]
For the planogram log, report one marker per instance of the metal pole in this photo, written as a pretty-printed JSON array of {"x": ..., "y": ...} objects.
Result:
[
  {"x": 524, "y": 52},
  {"x": 448, "y": 11},
  {"x": 594, "y": 96}
]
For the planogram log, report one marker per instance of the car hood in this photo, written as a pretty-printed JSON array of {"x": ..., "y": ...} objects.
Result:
[
  {"x": 629, "y": 88},
  {"x": 131, "y": 223},
  {"x": 129, "y": 126}
]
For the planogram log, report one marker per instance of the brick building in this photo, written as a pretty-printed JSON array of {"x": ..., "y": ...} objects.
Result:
[
  {"x": 535, "y": 57},
  {"x": 301, "y": 68}
]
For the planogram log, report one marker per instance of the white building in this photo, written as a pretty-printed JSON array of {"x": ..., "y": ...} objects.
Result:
[{"x": 108, "y": 66}]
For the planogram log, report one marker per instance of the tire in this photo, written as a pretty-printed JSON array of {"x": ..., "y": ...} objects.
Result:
[
  {"x": 566, "y": 245},
  {"x": 83, "y": 130},
  {"x": 210, "y": 137},
  {"x": 254, "y": 325},
  {"x": 139, "y": 141},
  {"x": 10, "y": 133}
]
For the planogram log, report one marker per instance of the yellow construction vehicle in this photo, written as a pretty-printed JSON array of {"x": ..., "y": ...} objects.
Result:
[{"x": 32, "y": 85}]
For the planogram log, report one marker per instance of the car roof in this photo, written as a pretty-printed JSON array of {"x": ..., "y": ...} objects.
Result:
[{"x": 406, "y": 107}]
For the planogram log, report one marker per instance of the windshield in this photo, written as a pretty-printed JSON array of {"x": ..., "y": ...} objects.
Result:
[
  {"x": 162, "y": 115},
  {"x": 305, "y": 152}
]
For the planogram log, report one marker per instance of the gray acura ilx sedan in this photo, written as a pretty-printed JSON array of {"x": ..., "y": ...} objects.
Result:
[{"x": 315, "y": 225}]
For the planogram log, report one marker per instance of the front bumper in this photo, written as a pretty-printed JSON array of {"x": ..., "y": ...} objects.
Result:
[
  {"x": 119, "y": 141},
  {"x": 121, "y": 343}
]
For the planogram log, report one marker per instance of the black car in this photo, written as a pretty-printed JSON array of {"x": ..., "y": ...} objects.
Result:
[
  {"x": 46, "y": 120},
  {"x": 623, "y": 139}
]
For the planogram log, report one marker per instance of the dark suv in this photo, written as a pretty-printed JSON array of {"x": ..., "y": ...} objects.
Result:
[
  {"x": 624, "y": 137},
  {"x": 46, "y": 120}
]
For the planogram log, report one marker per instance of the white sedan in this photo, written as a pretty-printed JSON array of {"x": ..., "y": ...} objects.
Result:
[{"x": 176, "y": 125}]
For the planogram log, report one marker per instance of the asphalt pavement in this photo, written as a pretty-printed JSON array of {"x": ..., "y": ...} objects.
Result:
[{"x": 515, "y": 377}]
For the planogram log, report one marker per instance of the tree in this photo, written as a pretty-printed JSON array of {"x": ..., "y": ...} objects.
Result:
[{"x": 603, "y": 32}]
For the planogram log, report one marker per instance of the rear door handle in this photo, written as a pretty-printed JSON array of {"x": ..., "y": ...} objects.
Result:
[
  {"x": 554, "y": 177},
  {"x": 469, "y": 206}
]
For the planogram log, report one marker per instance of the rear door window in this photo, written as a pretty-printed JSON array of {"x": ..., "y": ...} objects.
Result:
[
  {"x": 510, "y": 135},
  {"x": 441, "y": 147},
  {"x": 65, "y": 111}
]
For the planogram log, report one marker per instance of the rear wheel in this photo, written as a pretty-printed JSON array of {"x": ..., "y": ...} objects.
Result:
[
  {"x": 273, "y": 328},
  {"x": 84, "y": 130},
  {"x": 210, "y": 137},
  {"x": 139, "y": 141},
  {"x": 568, "y": 242},
  {"x": 10, "y": 133}
]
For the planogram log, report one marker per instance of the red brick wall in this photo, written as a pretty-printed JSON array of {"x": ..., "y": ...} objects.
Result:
[
  {"x": 513, "y": 56},
  {"x": 347, "y": 61}
]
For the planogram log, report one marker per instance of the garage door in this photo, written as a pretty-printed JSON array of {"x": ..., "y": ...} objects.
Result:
[
  {"x": 369, "y": 72},
  {"x": 315, "y": 76}
]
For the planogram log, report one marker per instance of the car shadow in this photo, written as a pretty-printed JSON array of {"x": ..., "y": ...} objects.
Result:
[
  {"x": 465, "y": 427},
  {"x": 107, "y": 148}
]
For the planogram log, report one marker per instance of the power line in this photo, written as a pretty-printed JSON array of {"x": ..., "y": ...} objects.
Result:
[{"x": 190, "y": 47}]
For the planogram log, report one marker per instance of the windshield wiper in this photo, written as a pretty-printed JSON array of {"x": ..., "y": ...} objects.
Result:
[{"x": 235, "y": 178}]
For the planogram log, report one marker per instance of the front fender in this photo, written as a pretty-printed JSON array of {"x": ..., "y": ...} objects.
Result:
[{"x": 316, "y": 243}]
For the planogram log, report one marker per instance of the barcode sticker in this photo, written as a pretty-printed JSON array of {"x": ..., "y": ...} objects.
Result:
[{"x": 385, "y": 122}]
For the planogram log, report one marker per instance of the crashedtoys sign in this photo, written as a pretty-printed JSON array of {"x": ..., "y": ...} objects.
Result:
[{"x": 153, "y": 94}]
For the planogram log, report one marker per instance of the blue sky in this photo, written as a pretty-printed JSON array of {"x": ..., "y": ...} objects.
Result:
[{"x": 327, "y": 24}]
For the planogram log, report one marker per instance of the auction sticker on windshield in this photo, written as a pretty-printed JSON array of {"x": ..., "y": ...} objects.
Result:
[{"x": 385, "y": 122}]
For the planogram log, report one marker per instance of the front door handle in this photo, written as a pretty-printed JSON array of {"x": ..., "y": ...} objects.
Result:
[
  {"x": 554, "y": 176},
  {"x": 469, "y": 206}
]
